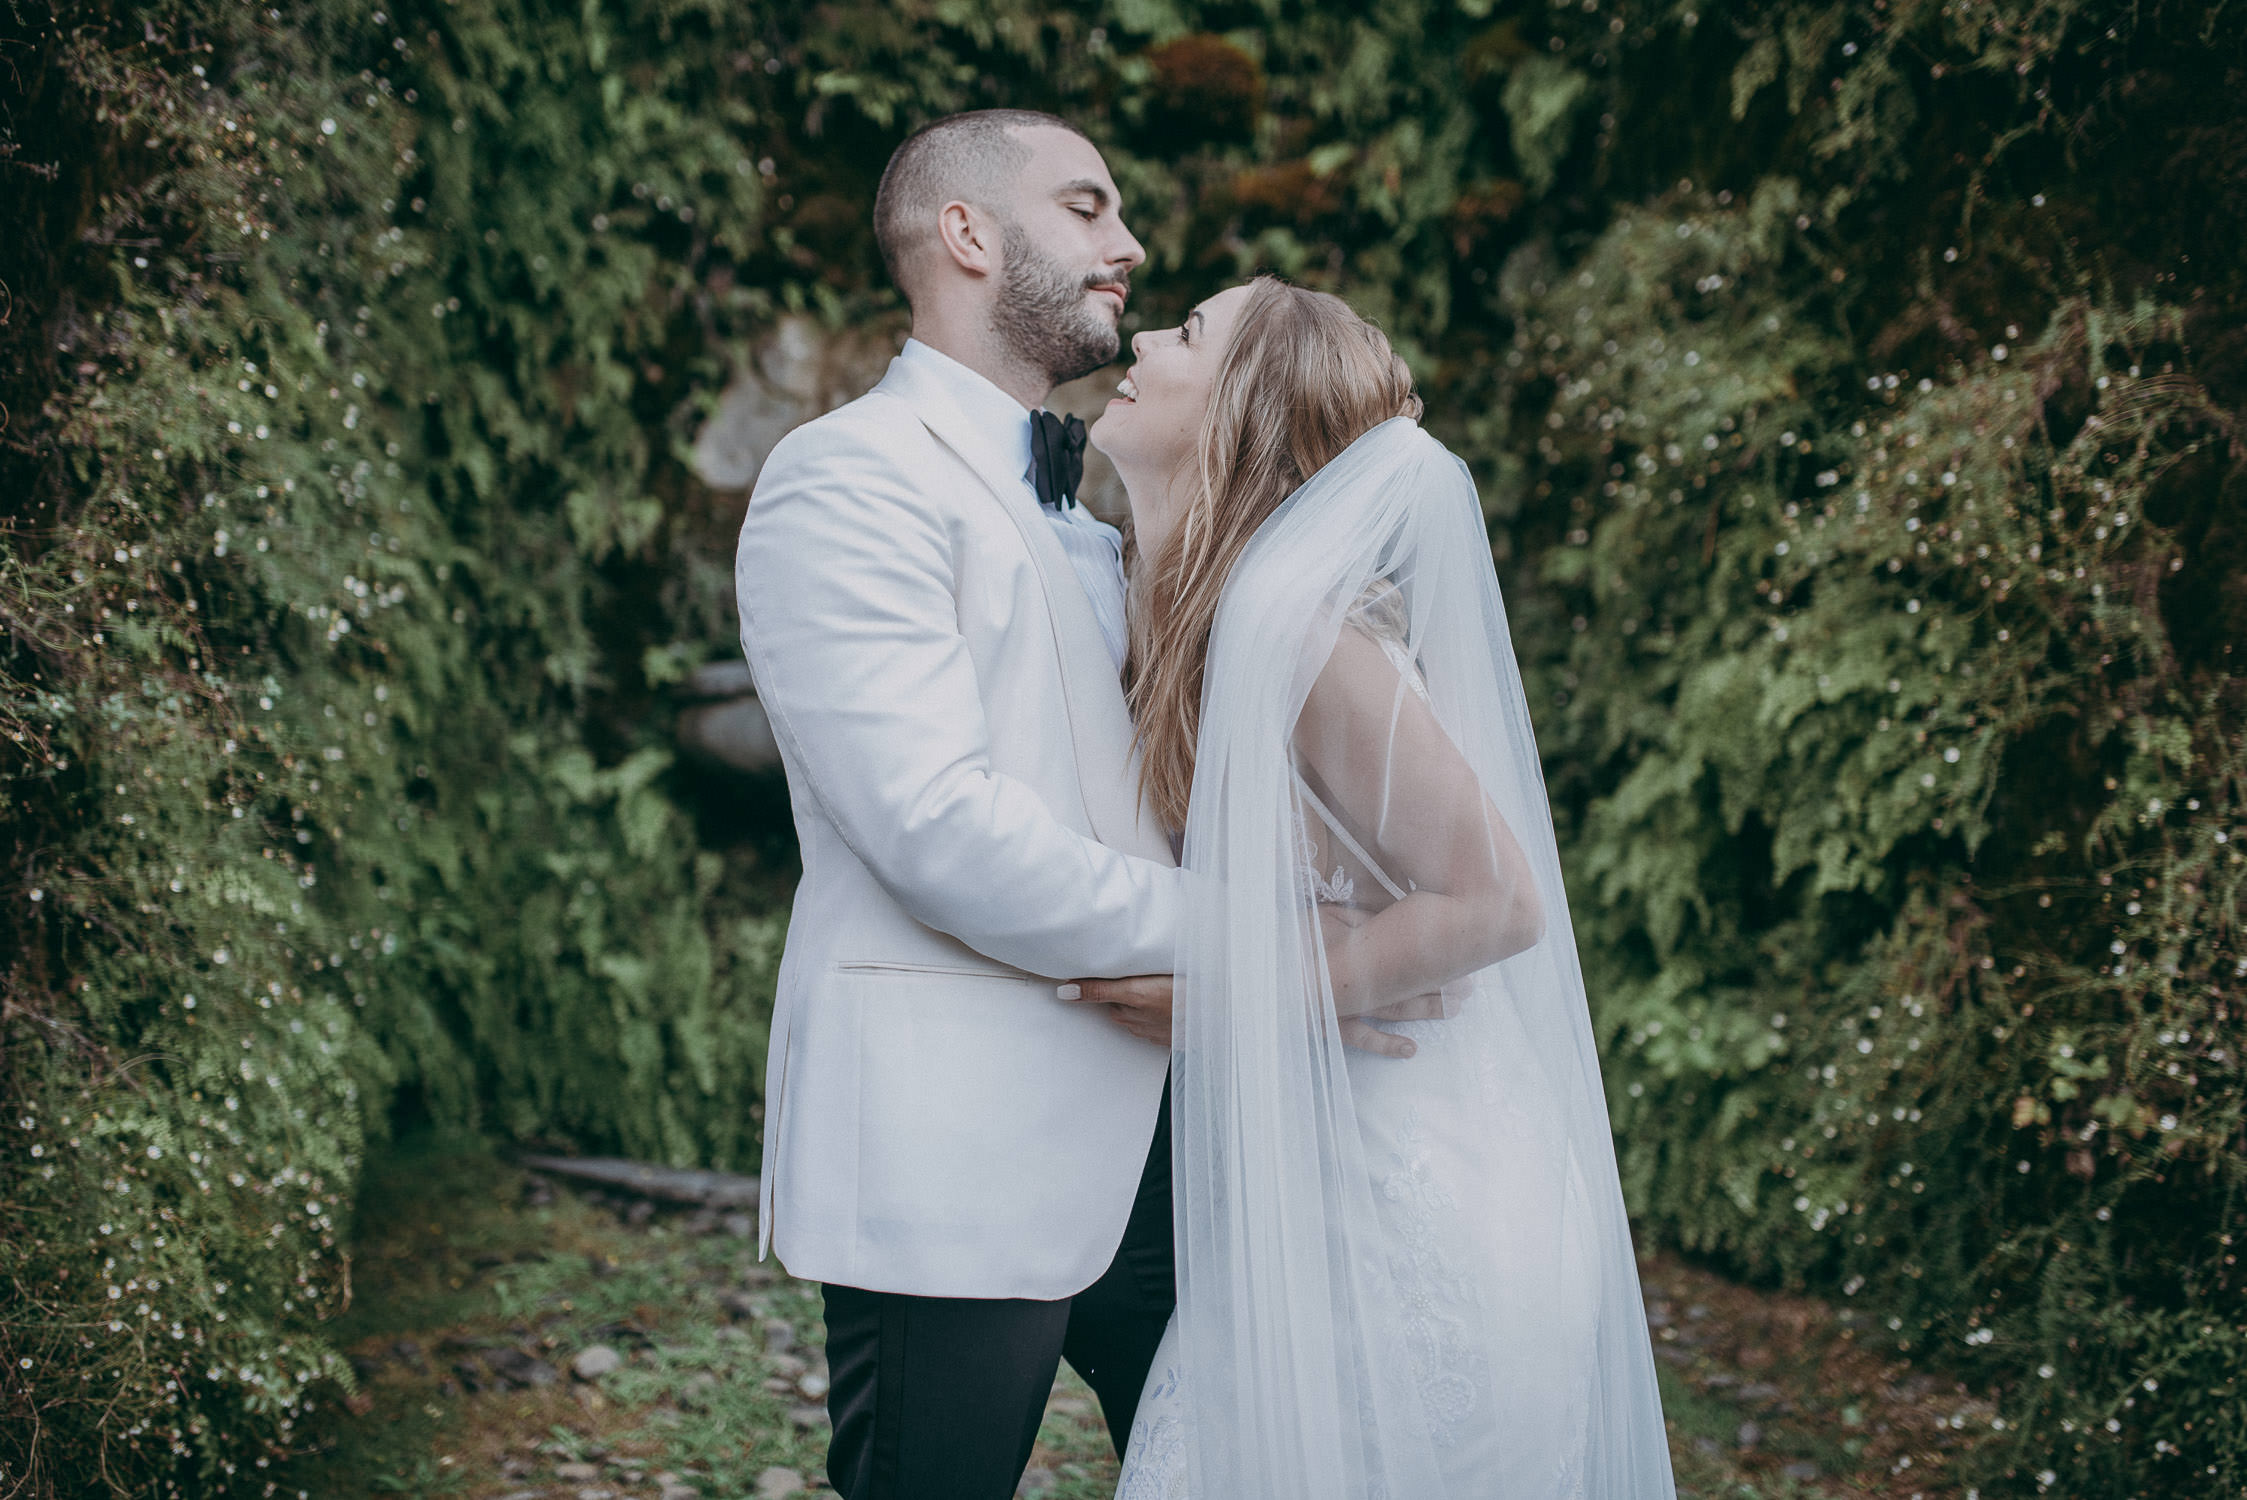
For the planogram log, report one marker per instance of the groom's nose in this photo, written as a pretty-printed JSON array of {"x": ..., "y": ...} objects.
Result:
[{"x": 1124, "y": 252}]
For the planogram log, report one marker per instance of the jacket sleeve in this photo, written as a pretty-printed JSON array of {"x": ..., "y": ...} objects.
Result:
[{"x": 845, "y": 575}]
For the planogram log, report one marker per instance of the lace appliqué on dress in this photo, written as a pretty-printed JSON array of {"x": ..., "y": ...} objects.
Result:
[
  {"x": 1436, "y": 1292},
  {"x": 1156, "y": 1455}
]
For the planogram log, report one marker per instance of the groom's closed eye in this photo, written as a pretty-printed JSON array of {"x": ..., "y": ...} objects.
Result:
[{"x": 1088, "y": 200}]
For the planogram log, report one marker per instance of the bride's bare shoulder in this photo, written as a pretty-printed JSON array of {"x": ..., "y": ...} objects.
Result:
[{"x": 1357, "y": 690}]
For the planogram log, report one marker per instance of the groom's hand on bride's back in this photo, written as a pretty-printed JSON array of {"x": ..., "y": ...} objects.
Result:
[{"x": 1141, "y": 1006}]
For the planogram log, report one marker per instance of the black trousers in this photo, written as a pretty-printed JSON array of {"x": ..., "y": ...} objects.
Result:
[{"x": 939, "y": 1398}]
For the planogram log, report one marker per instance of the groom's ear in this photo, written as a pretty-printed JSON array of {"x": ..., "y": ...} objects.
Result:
[{"x": 971, "y": 237}]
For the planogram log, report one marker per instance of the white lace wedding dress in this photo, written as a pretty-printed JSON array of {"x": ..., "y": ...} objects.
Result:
[
  {"x": 1400, "y": 1278},
  {"x": 1442, "y": 1246}
]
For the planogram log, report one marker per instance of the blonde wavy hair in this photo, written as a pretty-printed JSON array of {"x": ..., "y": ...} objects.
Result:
[{"x": 1302, "y": 379}]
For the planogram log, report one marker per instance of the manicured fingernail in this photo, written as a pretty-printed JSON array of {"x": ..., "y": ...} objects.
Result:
[{"x": 1069, "y": 991}]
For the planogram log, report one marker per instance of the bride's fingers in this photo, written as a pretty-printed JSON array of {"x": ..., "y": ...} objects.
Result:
[
  {"x": 1370, "y": 1038},
  {"x": 1140, "y": 1004},
  {"x": 1139, "y": 986},
  {"x": 1149, "y": 992}
]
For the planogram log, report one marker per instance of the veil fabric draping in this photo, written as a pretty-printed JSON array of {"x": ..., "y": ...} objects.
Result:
[{"x": 1399, "y": 1278}]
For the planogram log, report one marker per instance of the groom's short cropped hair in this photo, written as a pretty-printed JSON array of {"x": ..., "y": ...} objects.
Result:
[{"x": 966, "y": 158}]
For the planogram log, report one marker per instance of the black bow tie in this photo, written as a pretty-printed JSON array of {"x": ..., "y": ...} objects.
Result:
[{"x": 1056, "y": 457}]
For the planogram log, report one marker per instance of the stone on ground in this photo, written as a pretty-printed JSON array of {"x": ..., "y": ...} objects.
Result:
[
  {"x": 776, "y": 1483},
  {"x": 594, "y": 1361}
]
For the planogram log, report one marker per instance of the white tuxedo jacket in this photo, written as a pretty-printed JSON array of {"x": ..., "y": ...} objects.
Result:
[{"x": 960, "y": 762}]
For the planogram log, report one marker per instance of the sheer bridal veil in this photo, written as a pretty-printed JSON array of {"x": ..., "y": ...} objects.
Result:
[{"x": 1400, "y": 1278}]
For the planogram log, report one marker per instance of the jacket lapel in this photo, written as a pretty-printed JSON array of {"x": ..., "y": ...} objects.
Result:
[{"x": 1100, "y": 727}]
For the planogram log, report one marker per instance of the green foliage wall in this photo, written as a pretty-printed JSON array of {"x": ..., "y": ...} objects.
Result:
[
  {"x": 1894, "y": 576},
  {"x": 1856, "y": 383},
  {"x": 334, "y": 504}
]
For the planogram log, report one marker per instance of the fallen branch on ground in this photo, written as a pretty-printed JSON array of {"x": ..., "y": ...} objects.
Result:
[{"x": 669, "y": 1184}]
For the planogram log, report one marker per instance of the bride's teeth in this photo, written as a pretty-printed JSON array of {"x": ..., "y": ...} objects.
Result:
[{"x": 1127, "y": 390}]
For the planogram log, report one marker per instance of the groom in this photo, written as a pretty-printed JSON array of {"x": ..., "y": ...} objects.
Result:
[{"x": 976, "y": 1169}]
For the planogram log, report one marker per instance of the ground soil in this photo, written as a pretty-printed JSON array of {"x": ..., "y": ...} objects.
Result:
[{"x": 478, "y": 1286}]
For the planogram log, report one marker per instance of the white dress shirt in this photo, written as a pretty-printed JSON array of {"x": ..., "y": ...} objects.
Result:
[{"x": 1094, "y": 548}]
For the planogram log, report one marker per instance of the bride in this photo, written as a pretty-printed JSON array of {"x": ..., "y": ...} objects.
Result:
[{"x": 1404, "y": 1268}]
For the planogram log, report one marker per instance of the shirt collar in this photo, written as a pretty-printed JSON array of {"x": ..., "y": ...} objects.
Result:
[{"x": 997, "y": 416}]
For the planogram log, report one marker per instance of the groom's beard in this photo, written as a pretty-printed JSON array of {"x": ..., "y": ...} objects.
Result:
[{"x": 1045, "y": 317}]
